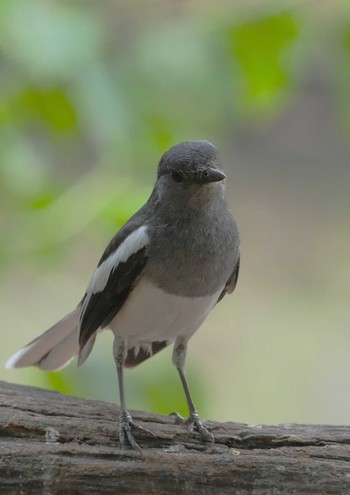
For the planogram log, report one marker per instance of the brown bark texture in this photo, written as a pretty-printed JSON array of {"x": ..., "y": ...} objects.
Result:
[{"x": 55, "y": 444}]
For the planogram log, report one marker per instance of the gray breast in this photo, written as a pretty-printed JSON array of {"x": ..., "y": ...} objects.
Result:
[{"x": 193, "y": 254}]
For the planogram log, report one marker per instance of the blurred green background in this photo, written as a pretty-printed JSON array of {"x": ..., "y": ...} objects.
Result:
[{"x": 91, "y": 94}]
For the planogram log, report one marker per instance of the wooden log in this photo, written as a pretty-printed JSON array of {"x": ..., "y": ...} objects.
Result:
[{"x": 55, "y": 444}]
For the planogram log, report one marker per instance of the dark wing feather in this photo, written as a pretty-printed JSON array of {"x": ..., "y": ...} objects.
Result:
[
  {"x": 98, "y": 309},
  {"x": 103, "y": 306},
  {"x": 232, "y": 281}
]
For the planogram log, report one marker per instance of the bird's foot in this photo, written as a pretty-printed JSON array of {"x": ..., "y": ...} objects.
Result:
[
  {"x": 125, "y": 435},
  {"x": 194, "y": 423}
]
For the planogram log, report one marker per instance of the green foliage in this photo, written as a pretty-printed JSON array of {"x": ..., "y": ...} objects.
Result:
[
  {"x": 81, "y": 121},
  {"x": 260, "y": 48},
  {"x": 342, "y": 69},
  {"x": 49, "y": 106},
  {"x": 50, "y": 40},
  {"x": 61, "y": 383}
]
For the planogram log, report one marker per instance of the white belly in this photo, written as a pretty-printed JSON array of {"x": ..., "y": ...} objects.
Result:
[{"x": 150, "y": 315}]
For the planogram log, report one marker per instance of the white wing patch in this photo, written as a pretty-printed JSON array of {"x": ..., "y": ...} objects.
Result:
[{"x": 133, "y": 243}]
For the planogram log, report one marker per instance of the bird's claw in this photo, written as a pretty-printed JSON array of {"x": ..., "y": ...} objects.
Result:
[
  {"x": 194, "y": 423},
  {"x": 125, "y": 434}
]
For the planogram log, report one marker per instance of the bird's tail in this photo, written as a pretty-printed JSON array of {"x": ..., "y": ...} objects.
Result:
[{"x": 54, "y": 348}]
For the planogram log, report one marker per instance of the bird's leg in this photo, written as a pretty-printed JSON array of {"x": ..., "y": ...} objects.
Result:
[
  {"x": 125, "y": 419},
  {"x": 193, "y": 422}
]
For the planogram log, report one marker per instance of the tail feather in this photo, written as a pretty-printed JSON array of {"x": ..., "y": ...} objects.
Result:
[
  {"x": 62, "y": 353},
  {"x": 53, "y": 349},
  {"x": 84, "y": 352}
]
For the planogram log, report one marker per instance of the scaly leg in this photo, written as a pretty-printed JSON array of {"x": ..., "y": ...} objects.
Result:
[
  {"x": 193, "y": 422},
  {"x": 125, "y": 419}
]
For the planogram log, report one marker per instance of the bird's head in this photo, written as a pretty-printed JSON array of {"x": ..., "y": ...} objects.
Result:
[{"x": 190, "y": 170}]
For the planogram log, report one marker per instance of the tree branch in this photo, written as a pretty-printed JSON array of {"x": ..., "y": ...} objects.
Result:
[{"x": 54, "y": 444}]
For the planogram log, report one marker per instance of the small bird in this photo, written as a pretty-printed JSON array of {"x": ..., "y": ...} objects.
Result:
[{"x": 157, "y": 280}]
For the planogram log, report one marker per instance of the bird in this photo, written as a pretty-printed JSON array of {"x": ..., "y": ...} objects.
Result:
[{"x": 157, "y": 280}]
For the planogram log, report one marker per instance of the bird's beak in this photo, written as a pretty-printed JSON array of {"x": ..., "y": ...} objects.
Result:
[{"x": 211, "y": 175}]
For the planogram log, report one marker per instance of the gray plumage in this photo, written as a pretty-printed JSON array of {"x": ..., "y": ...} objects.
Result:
[{"x": 159, "y": 276}]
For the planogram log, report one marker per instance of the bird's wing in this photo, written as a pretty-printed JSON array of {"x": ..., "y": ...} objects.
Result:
[
  {"x": 232, "y": 281},
  {"x": 114, "y": 278}
]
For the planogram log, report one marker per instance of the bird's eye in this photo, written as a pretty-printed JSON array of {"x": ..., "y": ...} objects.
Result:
[{"x": 177, "y": 176}]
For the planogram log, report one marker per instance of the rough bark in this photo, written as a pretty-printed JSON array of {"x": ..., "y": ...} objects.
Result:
[{"x": 55, "y": 444}]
